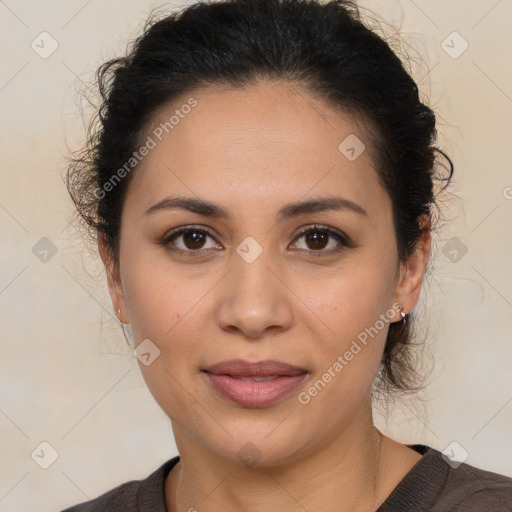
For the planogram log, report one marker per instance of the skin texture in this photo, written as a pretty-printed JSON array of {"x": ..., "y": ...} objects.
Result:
[{"x": 252, "y": 151}]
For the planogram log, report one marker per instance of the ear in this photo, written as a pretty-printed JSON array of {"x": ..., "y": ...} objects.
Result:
[
  {"x": 114, "y": 280},
  {"x": 412, "y": 272}
]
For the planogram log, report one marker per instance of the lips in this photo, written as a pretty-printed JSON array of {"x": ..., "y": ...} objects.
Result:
[
  {"x": 246, "y": 369},
  {"x": 254, "y": 384}
]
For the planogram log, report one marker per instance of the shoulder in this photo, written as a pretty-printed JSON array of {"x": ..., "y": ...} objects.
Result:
[
  {"x": 439, "y": 484},
  {"x": 133, "y": 496},
  {"x": 470, "y": 488},
  {"x": 123, "y": 497}
]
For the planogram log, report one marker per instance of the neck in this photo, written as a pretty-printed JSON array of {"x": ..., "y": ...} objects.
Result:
[{"x": 340, "y": 475}]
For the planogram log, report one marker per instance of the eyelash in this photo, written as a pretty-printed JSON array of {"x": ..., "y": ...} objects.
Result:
[{"x": 338, "y": 236}]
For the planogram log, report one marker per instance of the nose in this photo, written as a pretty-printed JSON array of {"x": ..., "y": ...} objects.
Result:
[{"x": 253, "y": 298}]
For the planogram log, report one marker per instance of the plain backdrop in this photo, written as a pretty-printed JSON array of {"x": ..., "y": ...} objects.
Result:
[{"x": 67, "y": 377}]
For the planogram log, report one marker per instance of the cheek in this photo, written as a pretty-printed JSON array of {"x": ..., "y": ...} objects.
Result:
[
  {"x": 353, "y": 297},
  {"x": 170, "y": 309},
  {"x": 348, "y": 355},
  {"x": 355, "y": 306},
  {"x": 171, "y": 313},
  {"x": 153, "y": 297}
]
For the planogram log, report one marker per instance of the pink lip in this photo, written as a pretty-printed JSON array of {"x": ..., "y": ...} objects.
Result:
[
  {"x": 241, "y": 368},
  {"x": 226, "y": 376},
  {"x": 254, "y": 394}
]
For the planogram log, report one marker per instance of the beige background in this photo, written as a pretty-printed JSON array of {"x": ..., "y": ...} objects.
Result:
[{"x": 66, "y": 375}]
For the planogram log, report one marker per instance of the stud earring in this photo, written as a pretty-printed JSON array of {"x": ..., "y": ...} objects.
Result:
[{"x": 403, "y": 315}]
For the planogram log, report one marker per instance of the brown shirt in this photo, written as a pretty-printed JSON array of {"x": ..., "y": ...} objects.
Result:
[{"x": 431, "y": 485}]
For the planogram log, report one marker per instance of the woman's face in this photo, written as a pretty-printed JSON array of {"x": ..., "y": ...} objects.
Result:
[{"x": 255, "y": 287}]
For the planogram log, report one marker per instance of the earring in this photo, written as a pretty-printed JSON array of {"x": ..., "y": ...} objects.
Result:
[{"x": 403, "y": 315}]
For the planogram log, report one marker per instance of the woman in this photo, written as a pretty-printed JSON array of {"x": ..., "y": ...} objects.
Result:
[{"x": 262, "y": 190}]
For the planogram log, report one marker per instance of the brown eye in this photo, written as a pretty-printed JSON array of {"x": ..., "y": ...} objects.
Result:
[
  {"x": 317, "y": 239},
  {"x": 192, "y": 240}
]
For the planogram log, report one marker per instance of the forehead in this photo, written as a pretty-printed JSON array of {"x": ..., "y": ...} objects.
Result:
[{"x": 270, "y": 142}]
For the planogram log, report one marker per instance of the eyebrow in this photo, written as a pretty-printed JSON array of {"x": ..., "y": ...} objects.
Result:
[{"x": 288, "y": 211}]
